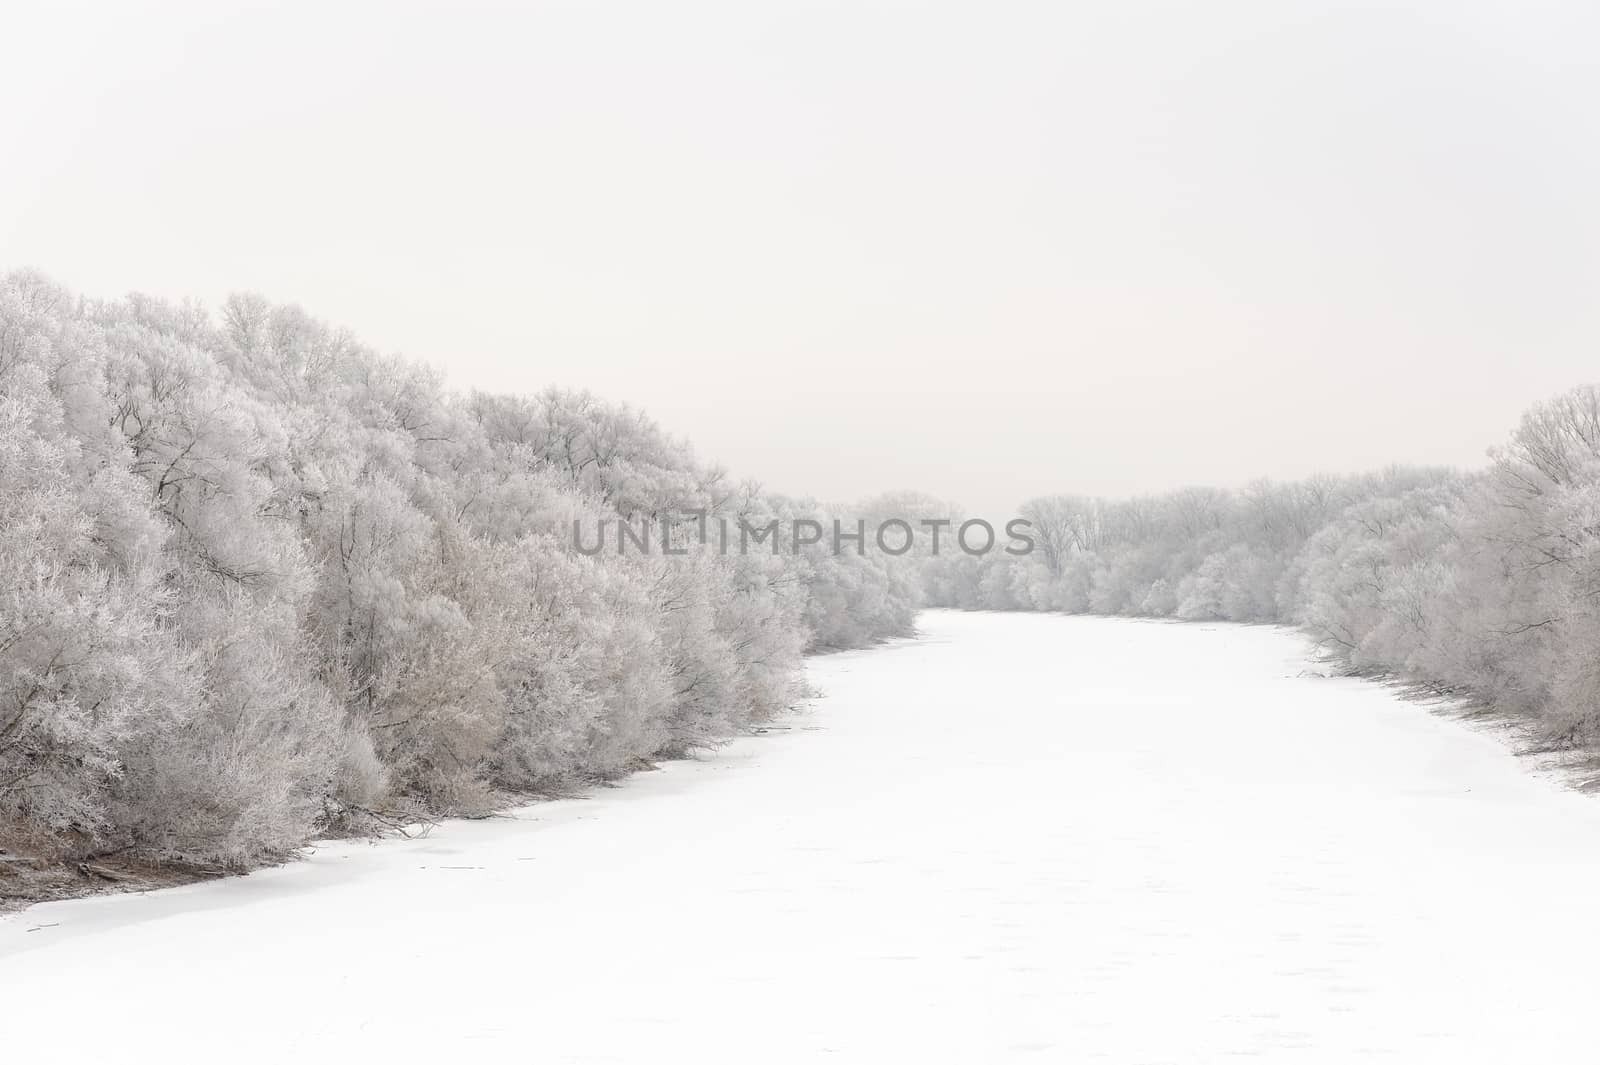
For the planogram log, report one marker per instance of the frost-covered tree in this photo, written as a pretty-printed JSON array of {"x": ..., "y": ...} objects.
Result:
[
  {"x": 258, "y": 581},
  {"x": 86, "y": 666}
]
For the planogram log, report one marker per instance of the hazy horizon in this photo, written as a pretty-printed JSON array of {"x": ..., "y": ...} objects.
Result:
[{"x": 985, "y": 254}]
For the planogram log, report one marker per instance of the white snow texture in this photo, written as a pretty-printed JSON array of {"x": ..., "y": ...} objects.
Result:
[{"x": 1019, "y": 837}]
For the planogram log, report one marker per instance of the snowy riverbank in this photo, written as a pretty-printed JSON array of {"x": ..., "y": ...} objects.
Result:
[{"x": 1020, "y": 836}]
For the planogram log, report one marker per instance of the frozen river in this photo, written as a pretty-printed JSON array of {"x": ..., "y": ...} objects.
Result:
[{"x": 1018, "y": 837}]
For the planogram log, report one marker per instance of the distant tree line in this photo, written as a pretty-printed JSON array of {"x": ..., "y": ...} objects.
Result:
[
  {"x": 1484, "y": 585},
  {"x": 258, "y": 582}
]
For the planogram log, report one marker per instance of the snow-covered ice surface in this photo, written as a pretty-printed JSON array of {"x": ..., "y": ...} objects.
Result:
[{"x": 1019, "y": 837}]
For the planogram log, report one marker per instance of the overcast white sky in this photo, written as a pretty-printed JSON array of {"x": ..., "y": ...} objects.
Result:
[{"x": 988, "y": 250}]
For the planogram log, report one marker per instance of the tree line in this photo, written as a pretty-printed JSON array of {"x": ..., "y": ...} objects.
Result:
[
  {"x": 260, "y": 583},
  {"x": 1481, "y": 584}
]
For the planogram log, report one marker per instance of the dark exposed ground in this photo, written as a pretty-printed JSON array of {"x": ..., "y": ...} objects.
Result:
[{"x": 27, "y": 878}]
